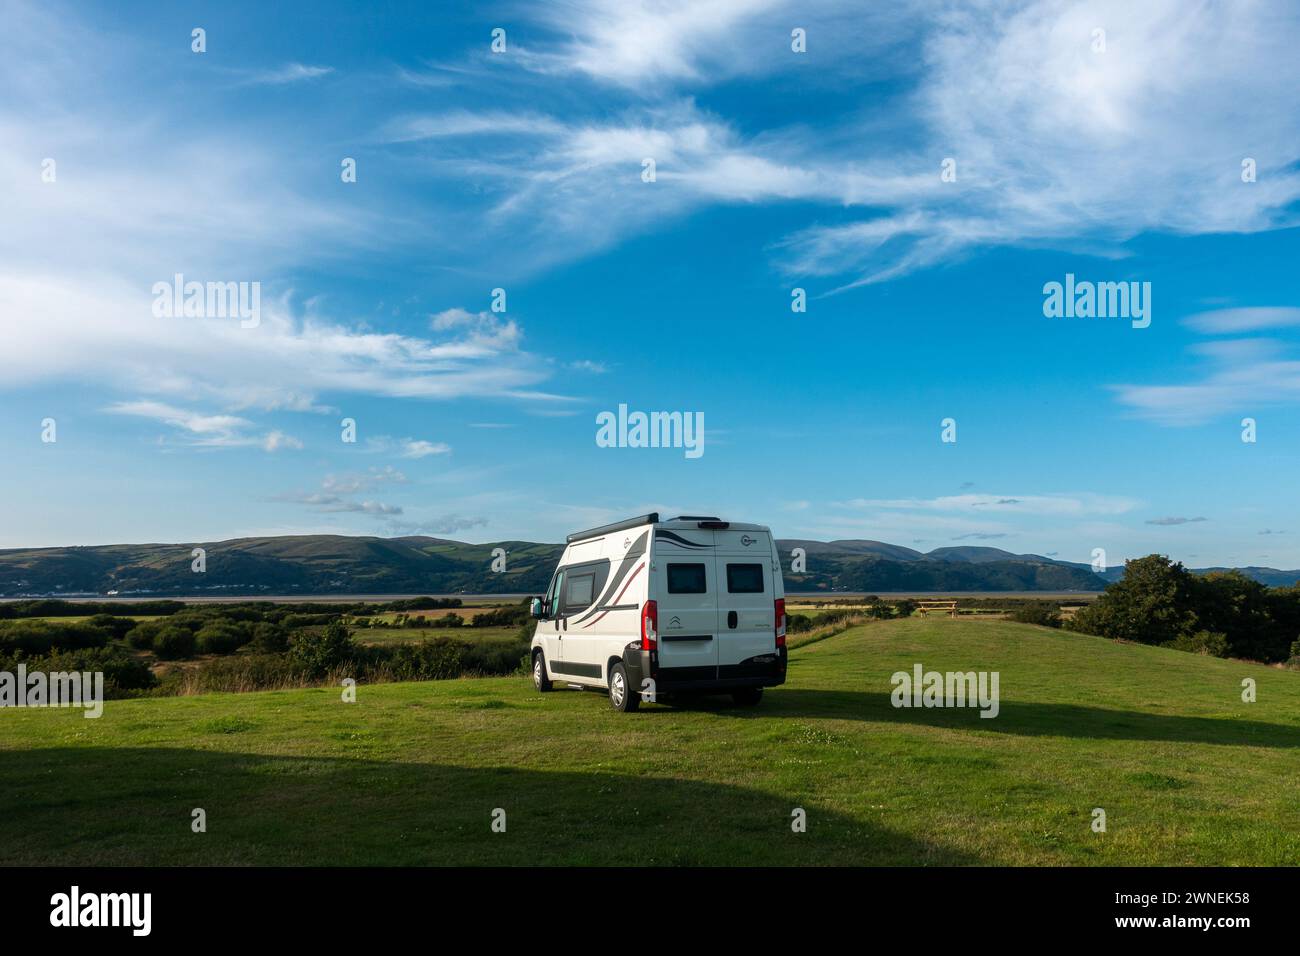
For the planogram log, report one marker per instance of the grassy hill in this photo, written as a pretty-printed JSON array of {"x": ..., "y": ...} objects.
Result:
[{"x": 410, "y": 774}]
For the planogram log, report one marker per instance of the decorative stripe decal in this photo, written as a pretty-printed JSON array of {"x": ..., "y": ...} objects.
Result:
[
  {"x": 680, "y": 541},
  {"x": 634, "y": 554},
  {"x": 620, "y": 593}
]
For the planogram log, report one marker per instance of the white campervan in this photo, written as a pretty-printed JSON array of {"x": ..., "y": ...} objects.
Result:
[{"x": 648, "y": 609}]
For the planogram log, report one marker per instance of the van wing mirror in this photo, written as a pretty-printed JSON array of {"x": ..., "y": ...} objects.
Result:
[{"x": 535, "y": 608}]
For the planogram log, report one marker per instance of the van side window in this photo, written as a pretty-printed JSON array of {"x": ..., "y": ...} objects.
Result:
[
  {"x": 578, "y": 591},
  {"x": 553, "y": 598},
  {"x": 687, "y": 579},
  {"x": 744, "y": 579}
]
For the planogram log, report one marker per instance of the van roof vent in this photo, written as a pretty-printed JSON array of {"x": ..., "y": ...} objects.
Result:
[{"x": 697, "y": 518}]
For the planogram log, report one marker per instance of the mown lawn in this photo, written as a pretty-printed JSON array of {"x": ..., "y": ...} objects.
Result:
[{"x": 410, "y": 774}]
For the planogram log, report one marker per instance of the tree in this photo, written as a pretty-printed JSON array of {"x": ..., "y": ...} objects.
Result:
[{"x": 1154, "y": 603}]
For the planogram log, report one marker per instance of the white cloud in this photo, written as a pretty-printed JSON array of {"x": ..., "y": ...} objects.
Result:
[
  {"x": 205, "y": 430},
  {"x": 276, "y": 439},
  {"x": 1233, "y": 321},
  {"x": 1068, "y": 505},
  {"x": 1055, "y": 144},
  {"x": 284, "y": 75},
  {"x": 1242, "y": 377},
  {"x": 352, "y": 483},
  {"x": 419, "y": 448}
]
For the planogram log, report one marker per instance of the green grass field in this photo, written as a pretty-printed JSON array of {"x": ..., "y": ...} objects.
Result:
[{"x": 410, "y": 774}]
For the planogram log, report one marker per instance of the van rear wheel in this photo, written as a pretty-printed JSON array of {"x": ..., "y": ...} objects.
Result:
[
  {"x": 621, "y": 695},
  {"x": 748, "y": 697},
  {"x": 540, "y": 680}
]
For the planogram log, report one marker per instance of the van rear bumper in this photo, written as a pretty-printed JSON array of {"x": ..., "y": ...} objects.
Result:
[{"x": 764, "y": 670}]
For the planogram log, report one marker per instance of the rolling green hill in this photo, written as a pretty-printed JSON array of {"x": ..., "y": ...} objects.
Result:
[
  {"x": 410, "y": 774},
  {"x": 341, "y": 564}
]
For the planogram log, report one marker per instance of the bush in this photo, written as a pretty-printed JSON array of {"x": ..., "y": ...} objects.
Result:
[
  {"x": 1042, "y": 613},
  {"x": 510, "y": 616},
  {"x": 905, "y": 608},
  {"x": 269, "y": 638},
  {"x": 1212, "y": 643},
  {"x": 880, "y": 610},
  {"x": 173, "y": 643},
  {"x": 295, "y": 621},
  {"x": 449, "y": 620},
  {"x": 142, "y": 636},
  {"x": 42, "y": 637},
  {"x": 798, "y": 623},
  {"x": 221, "y": 637},
  {"x": 122, "y": 672},
  {"x": 117, "y": 627},
  {"x": 315, "y": 653}
]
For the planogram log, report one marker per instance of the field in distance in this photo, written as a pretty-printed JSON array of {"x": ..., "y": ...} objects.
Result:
[{"x": 411, "y": 773}]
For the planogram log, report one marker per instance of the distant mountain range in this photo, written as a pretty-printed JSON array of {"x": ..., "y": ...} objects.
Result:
[{"x": 339, "y": 564}]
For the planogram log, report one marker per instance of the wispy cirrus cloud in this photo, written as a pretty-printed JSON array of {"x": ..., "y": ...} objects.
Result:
[
  {"x": 1061, "y": 505},
  {"x": 1238, "y": 376},
  {"x": 1056, "y": 141},
  {"x": 1249, "y": 319},
  {"x": 284, "y": 75},
  {"x": 206, "y": 430}
]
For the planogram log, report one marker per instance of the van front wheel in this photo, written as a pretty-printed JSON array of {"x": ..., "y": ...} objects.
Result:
[
  {"x": 621, "y": 695},
  {"x": 540, "y": 680},
  {"x": 749, "y": 697}
]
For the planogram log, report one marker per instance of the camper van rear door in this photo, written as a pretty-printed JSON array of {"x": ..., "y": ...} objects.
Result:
[
  {"x": 745, "y": 600},
  {"x": 687, "y": 593}
]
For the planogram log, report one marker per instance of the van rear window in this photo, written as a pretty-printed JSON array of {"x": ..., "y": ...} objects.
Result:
[
  {"x": 686, "y": 579},
  {"x": 745, "y": 578}
]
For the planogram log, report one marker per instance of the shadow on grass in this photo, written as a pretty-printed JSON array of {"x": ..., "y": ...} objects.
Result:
[
  {"x": 1029, "y": 719},
  {"x": 124, "y": 806}
]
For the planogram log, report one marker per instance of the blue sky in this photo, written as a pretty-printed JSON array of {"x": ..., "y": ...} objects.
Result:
[{"x": 522, "y": 170}]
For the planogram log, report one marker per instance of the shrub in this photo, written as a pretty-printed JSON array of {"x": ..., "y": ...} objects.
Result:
[
  {"x": 269, "y": 638},
  {"x": 508, "y": 616},
  {"x": 317, "y": 652},
  {"x": 221, "y": 637},
  {"x": 880, "y": 610},
  {"x": 117, "y": 627},
  {"x": 905, "y": 608},
  {"x": 798, "y": 623},
  {"x": 1212, "y": 643},
  {"x": 295, "y": 621},
  {"x": 1042, "y": 613},
  {"x": 142, "y": 636},
  {"x": 41, "y": 637},
  {"x": 173, "y": 643},
  {"x": 122, "y": 672},
  {"x": 449, "y": 620}
]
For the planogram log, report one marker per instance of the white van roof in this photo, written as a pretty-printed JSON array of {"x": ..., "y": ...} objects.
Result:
[{"x": 679, "y": 523}]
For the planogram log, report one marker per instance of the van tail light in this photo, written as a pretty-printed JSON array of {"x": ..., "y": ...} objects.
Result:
[
  {"x": 780, "y": 622},
  {"x": 650, "y": 626}
]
